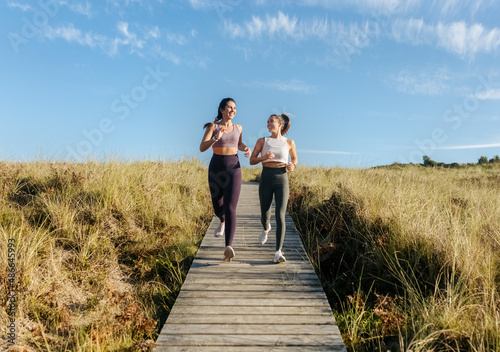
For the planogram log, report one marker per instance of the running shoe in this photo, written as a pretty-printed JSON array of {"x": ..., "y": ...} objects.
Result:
[
  {"x": 219, "y": 231},
  {"x": 228, "y": 254},
  {"x": 279, "y": 257},
  {"x": 263, "y": 235}
]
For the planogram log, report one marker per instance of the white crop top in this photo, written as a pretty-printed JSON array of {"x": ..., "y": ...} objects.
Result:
[{"x": 279, "y": 146}]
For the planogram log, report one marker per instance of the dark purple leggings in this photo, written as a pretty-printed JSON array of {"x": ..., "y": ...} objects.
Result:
[{"x": 224, "y": 179}]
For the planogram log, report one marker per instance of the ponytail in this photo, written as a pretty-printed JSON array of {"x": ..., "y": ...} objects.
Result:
[
  {"x": 285, "y": 122},
  {"x": 222, "y": 106}
]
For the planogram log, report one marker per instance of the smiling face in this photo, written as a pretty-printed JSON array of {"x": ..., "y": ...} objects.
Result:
[
  {"x": 273, "y": 124},
  {"x": 229, "y": 111}
]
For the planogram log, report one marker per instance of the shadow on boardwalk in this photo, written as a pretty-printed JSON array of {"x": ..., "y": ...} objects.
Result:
[{"x": 251, "y": 304}]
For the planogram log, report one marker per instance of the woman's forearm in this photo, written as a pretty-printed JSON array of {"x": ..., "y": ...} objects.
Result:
[
  {"x": 206, "y": 145},
  {"x": 242, "y": 147},
  {"x": 256, "y": 160}
]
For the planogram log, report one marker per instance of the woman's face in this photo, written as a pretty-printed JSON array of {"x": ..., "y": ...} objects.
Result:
[
  {"x": 229, "y": 111},
  {"x": 273, "y": 124}
]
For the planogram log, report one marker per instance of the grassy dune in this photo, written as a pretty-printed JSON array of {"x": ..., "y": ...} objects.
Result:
[
  {"x": 102, "y": 249},
  {"x": 409, "y": 256}
]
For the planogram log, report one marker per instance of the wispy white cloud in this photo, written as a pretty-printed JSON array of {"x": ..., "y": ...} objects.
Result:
[
  {"x": 413, "y": 31},
  {"x": 137, "y": 40},
  {"x": 110, "y": 46},
  {"x": 455, "y": 8},
  {"x": 325, "y": 152},
  {"x": 458, "y": 38},
  {"x": 255, "y": 28},
  {"x": 79, "y": 8},
  {"x": 423, "y": 82},
  {"x": 490, "y": 94},
  {"x": 166, "y": 54},
  {"x": 367, "y": 4},
  {"x": 296, "y": 86},
  {"x": 367, "y": 7},
  {"x": 234, "y": 30},
  {"x": 130, "y": 39},
  {"x": 439, "y": 8},
  {"x": 473, "y": 146},
  {"x": 466, "y": 40},
  {"x": 285, "y": 26},
  {"x": 448, "y": 7},
  {"x": 71, "y": 34},
  {"x": 343, "y": 40},
  {"x": 22, "y": 7},
  {"x": 154, "y": 33},
  {"x": 82, "y": 8},
  {"x": 220, "y": 6},
  {"x": 445, "y": 25},
  {"x": 176, "y": 38},
  {"x": 201, "y": 62},
  {"x": 281, "y": 25},
  {"x": 74, "y": 35},
  {"x": 120, "y": 3}
]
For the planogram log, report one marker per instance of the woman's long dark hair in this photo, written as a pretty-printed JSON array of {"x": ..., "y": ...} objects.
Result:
[
  {"x": 222, "y": 106},
  {"x": 285, "y": 120}
]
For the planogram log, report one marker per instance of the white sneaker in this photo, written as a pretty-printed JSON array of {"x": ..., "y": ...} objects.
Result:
[
  {"x": 219, "y": 231},
  {"x": 263, "y": 235},
  {"x": 228, "y": 254},
  {"x": 279, "y": 257}
]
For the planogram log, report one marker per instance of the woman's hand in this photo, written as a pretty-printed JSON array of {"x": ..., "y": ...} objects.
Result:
[
  {"x": 219, "y": 134},
  {"x": 290, "y": 166},
  {"x": 268, "y": 155},
  {"x": 248, "y": 152}
]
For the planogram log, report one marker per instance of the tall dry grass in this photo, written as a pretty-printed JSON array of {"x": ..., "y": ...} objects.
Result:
[
  {"x": 409, "y": 256},
  {"x": 101, "y": 249}
]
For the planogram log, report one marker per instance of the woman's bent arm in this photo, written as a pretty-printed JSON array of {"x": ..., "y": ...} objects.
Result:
[
  {"x": 206, "y": 141},
  {"x": 241, "y": 146},
  {"x": 254, "y": 159},
  {"x": 293, "y": 156}
]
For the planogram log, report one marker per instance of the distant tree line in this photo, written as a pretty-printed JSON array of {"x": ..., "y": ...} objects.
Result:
[{"x": 483, "y": 160}]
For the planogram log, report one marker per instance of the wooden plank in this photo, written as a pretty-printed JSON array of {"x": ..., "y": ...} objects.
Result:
[
  {"x": 248, "y": 301},
  {"x": 251, "y": 319},
  {"x": 255, "y": 294},
  {"x": 251, "y": 304},
  {"x": 253, "y": 348},
  {"x": 216, "y": 264},
  {"x": 290, "y": 339},
  {"x": 250, "y": 253},
  {"x": 214, "y": 310},
  {"x": 263, "y": 280},
  {"x": 254, "y": 275},
  {"x": 248, "y": 329},
  {"x": 251, "y": 288}
]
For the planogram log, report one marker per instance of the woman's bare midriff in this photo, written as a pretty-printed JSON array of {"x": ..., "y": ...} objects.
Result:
[
  {"x": 274, "y": 164},
  {"x": 225, "y": 150}
]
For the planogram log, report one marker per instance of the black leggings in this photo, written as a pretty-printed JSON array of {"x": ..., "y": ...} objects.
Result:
[
  {"x": 224, "y": 179},
  {"x": 274, "y": 181}
]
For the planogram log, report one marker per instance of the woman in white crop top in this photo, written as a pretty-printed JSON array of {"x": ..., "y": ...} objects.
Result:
[{"x": 274, "y": 151}]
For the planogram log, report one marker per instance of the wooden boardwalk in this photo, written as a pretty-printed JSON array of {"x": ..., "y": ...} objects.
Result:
[{"x": 251, "y": 304}]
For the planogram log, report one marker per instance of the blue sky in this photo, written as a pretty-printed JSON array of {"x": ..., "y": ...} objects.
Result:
[{"x": 366, "y": 82}]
